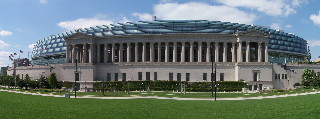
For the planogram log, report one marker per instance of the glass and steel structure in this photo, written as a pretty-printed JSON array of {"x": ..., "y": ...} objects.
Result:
[{"x": 282, "y": 47}]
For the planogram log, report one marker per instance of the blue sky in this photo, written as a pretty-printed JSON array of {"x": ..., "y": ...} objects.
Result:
[{"x": 23, "y": 22}]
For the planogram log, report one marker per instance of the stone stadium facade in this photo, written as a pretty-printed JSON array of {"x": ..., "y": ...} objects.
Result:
[{"x": 177, "y": 50}]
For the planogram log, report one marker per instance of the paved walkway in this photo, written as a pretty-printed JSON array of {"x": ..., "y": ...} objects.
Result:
[{"x": 170, "y": 98}]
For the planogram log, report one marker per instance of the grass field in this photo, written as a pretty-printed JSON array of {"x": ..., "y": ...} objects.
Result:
[
  {"x": 14, "y": 105},
  {"x": 171, "y": 94}
]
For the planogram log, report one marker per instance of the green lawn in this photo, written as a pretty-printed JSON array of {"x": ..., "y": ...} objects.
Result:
[
  {"x": 14, "y": 105},
  {"x": 172, "y": 94}
]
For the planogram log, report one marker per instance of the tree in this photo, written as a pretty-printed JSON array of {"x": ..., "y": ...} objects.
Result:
[
  {"x": 53, "y": 80},
  {"x": 27, "y": 81},
  {"x": 21, "y": 84},
  {"x": 43, "y": 83},
  {"x": 309, "y": 78},
  {"x": 308, "y": 55}
]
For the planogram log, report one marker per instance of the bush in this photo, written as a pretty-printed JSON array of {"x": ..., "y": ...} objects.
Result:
[
  {"x": 167, "y": 86},
  {"x": 296, "y": 84}
]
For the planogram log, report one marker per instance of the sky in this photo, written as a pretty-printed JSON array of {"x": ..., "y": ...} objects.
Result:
[{"x": 24, "y": 22}]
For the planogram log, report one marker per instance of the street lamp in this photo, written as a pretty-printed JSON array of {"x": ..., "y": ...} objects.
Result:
[
  {"x": 75, "y": 79},
  {"x": 213, "y": 77},
  {"x": 129, "y": 87}
]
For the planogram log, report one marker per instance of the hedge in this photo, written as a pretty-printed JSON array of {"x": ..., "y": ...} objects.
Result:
[{"x": 227, "y": 86}]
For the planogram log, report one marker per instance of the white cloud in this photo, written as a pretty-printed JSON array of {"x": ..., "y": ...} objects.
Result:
[
  {"x": 275, "y": 26},
  {"x": 31, "y": 46},
  {"x": 84, "y": 23},
  {"x": 270, "y": 7},
  {"x": 143, "y": 16},
  {"x": 5, "y": 54},
  {"x": 296, "y": 3},
  {"x": 3, "y": 44},
  {"x": 196, "y": 11},
  {"x": 5, "y": 33},
  {"x": 288, "y": 26},
  {"x": 124, "y": 20},
  {"x": 43, "y": 1},
  {"x": 2, "y": 64},
  {"x": 315, "y": 18},
  {"x": 313, "y": 43}
]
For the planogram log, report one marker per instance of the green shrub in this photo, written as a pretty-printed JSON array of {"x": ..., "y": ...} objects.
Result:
[{"x": 227, "y": 86}]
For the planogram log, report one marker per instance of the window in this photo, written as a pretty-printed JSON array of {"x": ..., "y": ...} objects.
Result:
[
  {"x": 221, "y": 76},
  {"x": 170, "y": 76},
  {"x": 255, "y": 76},
  {"x": 279, "y": 76},
  {"x": 187, "y": 76},
  {"x": 124, "y": 76},
  {"x": 282, "y": 76},
  {"x": 108, "y": 77},
  {"x": 204, "y": 76},
  {"x": 60, "y": 44},
  {"x": 148, "y": 76},
  {"x": 213, "y": 76},
  {"x": 139, "y": 75},
  {"x": 285, "y": 76},
  {"x": 275, "y": 76},
  {"x": 250, "y": 87},
  {"x": 155, "y": 76},
  {"x": 178, "y": 76},
  {"x": 115, "y": 76}
]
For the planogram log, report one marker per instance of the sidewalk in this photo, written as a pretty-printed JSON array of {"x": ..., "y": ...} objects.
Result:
[{"x": 169, "y": 98}]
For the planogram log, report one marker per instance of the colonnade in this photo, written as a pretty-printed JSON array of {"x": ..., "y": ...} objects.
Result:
[{"x": 191, "y": 51}]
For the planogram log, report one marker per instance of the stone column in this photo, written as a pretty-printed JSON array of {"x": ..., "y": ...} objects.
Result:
[
  {"x": 191, "y": 51},
  {"x": 247, "y": 51},
  {"x": 208, "y": 52},
  {"x": 239, "y": 52},
  {"x": 91, "y": 53},
  {"x": 73, "y": 53},
  {"x": 112, "y": 52},
  {"x": 167, "y": 52},
  {"x": 174, "y": 52},
  {"x": 151, "y": 51},
  {"x": 128, "y": 52},
  {"x": 120, "y": 52},
  {"x": 199, "y": 51},
  {"x": 136, "y": 51},
  {"x": 233, "y": 53},
  {"x": 216, "y": 45},
  {"x": 159, "y": 51},
  {"x": 68, "y": 55},
  {"x": 98, "y": 53},
  {"x": 266, "y": 55},
  {"x": 85, "y": 55},
  {"x": 259, "y": 51},
  {"x": 144, "y": 51},
  {"x": 105, "y": 53},
  {"x": 225, "y": 51},
  {"x": 182, "y": 52}
]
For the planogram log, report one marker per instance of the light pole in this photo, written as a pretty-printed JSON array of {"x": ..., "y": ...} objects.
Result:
[
  {"x": 75, "y": 79},
  {"x": 213, "y": 77},
  {"x": 14, "y": 73},
  {"x": 129, "y": 87}
]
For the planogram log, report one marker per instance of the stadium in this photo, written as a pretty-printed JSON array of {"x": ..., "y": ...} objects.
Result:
[{"x": 174, "y": 50}]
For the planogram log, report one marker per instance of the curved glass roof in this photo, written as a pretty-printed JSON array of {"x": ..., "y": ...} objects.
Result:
[{"x": 279, "y": 40}]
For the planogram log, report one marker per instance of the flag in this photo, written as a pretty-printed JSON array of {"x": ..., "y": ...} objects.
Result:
[
  {"x": 14, "y": 53},
  {"x": 21, "y": 51},
  {"x": 10, "y": 58}
]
